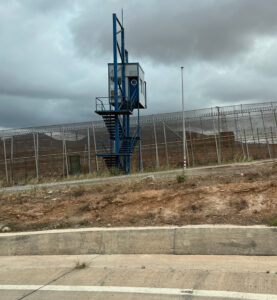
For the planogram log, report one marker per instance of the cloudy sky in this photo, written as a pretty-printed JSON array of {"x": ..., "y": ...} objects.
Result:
[{"x": 54, "y": 54}]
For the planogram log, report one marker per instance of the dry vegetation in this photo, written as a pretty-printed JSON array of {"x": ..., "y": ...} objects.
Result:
[{"x": 248, "y": 198}]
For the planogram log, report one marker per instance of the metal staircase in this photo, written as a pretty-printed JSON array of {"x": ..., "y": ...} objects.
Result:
[
  {"x": 110, "y": 161},
  {"x": 117, "y": 108},
  {"x": 109, "y": 120},
  {"x": 113, "y": 159},
  {"x": 128, "y": 144}
]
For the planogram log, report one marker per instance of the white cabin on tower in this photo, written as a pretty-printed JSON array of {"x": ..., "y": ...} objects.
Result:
[{"x": 135, "y": 85}]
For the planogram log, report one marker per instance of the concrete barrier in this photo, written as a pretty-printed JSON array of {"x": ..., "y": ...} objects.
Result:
[{"x": 193, "y": 239}]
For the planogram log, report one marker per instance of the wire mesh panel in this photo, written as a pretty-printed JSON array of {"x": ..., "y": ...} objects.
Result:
[{"x": 213, "y": 135}]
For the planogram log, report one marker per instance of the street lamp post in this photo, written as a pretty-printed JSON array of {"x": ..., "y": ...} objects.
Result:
[{"x": 184, "y": 125}]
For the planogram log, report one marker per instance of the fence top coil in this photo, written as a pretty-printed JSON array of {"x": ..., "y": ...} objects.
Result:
[{"x": 190, "y": 116}]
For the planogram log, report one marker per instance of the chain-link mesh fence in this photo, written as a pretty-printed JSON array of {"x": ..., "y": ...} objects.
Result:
[{"x": 213, "y": 135}]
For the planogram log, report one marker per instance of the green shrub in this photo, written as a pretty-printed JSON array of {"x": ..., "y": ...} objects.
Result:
[
  {"x": 80, "y": 266},
  {"x": 180, "y": 178},
  {"x": 271, "y": 221}
]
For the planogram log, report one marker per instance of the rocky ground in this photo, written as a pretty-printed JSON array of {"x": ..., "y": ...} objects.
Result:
[{"x": 248, "y": 198}]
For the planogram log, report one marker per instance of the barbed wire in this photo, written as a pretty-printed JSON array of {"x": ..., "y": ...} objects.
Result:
[{"x": 190, "y": 116}]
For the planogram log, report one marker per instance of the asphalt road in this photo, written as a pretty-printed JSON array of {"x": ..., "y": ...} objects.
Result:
[
  {"x": 236, "y": 168},
  {"x": 164, "y": 277}
]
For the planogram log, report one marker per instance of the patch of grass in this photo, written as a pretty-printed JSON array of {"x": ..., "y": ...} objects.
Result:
[
  {"x": 181, "y": 178},
  {"x": 271, "y": 221},
  {"x": 80, "y": 266}
]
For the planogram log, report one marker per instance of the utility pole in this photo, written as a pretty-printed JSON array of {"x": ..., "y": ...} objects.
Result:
[{"x": 184, "y": 125}]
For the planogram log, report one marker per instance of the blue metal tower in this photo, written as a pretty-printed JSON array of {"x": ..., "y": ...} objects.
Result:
[{"x": 127, "y": 91}]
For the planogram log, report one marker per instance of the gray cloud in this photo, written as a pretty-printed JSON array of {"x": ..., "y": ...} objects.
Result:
[
  {"x": 174, "y": 31},
  {"x": 54, "y": 54},
  {"x": 242, "y": 88},
  {"x": 41, "y": 79},
  {"x": 18, "y": 111}
]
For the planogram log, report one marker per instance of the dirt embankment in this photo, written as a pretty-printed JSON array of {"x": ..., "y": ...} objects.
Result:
[{"x": 245, "y": 199}]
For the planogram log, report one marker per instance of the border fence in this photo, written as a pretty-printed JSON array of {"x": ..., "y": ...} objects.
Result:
[{"x": 214, "y": 135}]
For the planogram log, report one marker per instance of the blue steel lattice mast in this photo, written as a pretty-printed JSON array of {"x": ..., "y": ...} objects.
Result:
[{"x": 127, "y": 91}]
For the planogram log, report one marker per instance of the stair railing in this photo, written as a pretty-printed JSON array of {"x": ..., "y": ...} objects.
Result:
[{"x": 107, "y": 103}]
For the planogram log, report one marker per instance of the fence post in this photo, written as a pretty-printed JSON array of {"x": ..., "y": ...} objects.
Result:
[
  {"x": 89, "y": 162},
  {"x": 265, "y": 135},
  {"x": 141, "y": 160},
  {"x": 202, "y": 137},
  {"x": 65, "y": 161},
  {"x": 239, "y": 134},
  {"x": 246, "y": 144},
  {"x": 215, "y": 138},
  {"x": 66, "y": 158},
  {"x": 38, "y": 154},
  {"x": 36, "y": 148},
  {"x": 5, "y": 157},
  {"x": 241, "y": 130},
  {"x": 230, "y": 145},
  {"x": 218, "y": 130},
  {"x": 63, "y": 146},
  {"x": 253, "y": 136},
  {"x": 11, "y": 161},
  {"x": 274, "y": 113},
  {"x": 191, "y": 145},
  {"x": 258, "y": 137},
  {"x": 187, "y": 149},
  {"x": 165, "y": 145},
  {"x": 272, "y": 140},
  {"x": 63, "y": 156},
  {"x": 95, "y": 148},
  {"x": 156, "y": 145}
]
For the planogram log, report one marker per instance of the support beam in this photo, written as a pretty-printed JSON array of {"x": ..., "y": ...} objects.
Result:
[{"x": 116, "y": 108}]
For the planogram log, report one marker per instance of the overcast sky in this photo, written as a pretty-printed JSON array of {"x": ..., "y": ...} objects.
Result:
[{"x": 54, "y": 54}]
